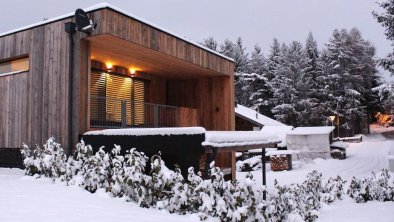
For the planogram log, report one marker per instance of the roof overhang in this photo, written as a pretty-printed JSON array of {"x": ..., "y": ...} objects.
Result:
[{"x": 109, "y": 49}]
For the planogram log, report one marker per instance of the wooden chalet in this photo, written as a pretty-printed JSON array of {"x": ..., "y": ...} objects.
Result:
[{"x": 127, "y": 73}]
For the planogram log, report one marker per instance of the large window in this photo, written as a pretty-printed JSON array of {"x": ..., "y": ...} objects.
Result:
[
  {"x": 14, "y": 66},
  {"x": 110, "y": 93}
]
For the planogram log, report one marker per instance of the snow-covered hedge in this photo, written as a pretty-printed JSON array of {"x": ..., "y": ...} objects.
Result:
[
  {"x": 375, "y": 187},
  {"x": 161, "y": 188}
]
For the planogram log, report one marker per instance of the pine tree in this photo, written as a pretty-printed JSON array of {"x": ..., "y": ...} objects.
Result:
[
  {"x": 386, "y": 19},
  {"x": 312, "y": 112},
  {"x": 274, "y": 60},
  {"x": 240, "y": 57},
  {"x": 386, "y": 96},
  {"x": 242, "y": 92},
  {"x": 257, "y": 63},
  {"x": 351, "y": 74},
  {"x": 287, "y": 83},
  {"x": 210, "y": 43},
  {"x": 227, "y": 48}
]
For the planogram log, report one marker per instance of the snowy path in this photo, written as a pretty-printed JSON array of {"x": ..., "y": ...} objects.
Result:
[
  {"x": 24, "y": 198},
  {"x": 363, "y": 158},
  {"x": 349, "y": 211}
]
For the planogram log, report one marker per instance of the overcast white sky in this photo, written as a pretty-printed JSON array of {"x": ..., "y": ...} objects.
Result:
[{"x": 256, "y": 21}]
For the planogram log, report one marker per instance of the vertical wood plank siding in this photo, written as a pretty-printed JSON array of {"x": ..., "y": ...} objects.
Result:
[{"x": 34, "y": 104}]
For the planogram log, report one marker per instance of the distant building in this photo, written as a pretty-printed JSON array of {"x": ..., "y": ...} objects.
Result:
[
  {"x": 247, "y": 119},
  {"x": 312, "y": 142}
]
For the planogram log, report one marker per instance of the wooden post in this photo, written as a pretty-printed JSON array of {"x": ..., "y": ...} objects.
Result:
[
  {"x": 123, "y": 113},
  {"x": 264, "y": 172},
  {"x": 155, "y": 116}
]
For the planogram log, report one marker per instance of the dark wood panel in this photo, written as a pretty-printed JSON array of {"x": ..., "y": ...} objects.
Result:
[
  {"x": 84, "y": 82},
  {"x": 187, "y": 117},
  {"x": 210, "y": 96}
]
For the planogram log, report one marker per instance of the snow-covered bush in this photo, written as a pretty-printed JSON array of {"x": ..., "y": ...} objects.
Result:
[
  {"x": 135, "y": 179},
  {"x": 116, "y": 179},
  {"x": 30, "y": 160},
  {"x": 295, "y": 199},
  {"x": 104, "y": 169},
  {"x": 162, "y": 188},
  {"x": 311, "y": 195},
  {"x": 333, "y": 190},
  {"x": 50, "y": 160},
  {"x": 277, "y": 206},
  {"x": 375, "y": 187},
  {"x": 82, "y": 170}
]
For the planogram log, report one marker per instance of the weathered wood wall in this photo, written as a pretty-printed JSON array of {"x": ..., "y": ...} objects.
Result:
[{"x": 34, "y": 104}]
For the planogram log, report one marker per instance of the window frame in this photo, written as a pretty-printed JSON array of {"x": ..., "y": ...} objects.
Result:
[{"x": 13, "y": 59}]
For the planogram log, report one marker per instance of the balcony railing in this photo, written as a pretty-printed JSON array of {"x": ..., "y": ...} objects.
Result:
[{"x": 117, "y": 113}]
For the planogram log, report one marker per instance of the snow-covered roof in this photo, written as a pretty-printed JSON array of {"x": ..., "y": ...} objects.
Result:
[
  {"x": 312, "y": 130},
  {"x": 279, "y": 131},
  {"x": 340, "y": 144},
  {"x": 148, "y": 131},
  {"x": 106, "y": 5},
  {"x": 238, "y": 138},
  {"x": 281, "y": 152},
  {"x": 252, "y": 115}
]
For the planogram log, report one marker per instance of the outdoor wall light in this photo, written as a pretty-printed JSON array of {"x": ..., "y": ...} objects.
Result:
[
  {"x": 109, "y": 66},
  {"x": 132, "y": 71}
]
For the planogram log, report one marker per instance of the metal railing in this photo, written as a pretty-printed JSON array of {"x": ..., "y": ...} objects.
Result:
[{"x": 120, "y": 113}]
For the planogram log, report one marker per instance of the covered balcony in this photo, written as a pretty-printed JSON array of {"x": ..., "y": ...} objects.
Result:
[{"x": 134, "y": 86}]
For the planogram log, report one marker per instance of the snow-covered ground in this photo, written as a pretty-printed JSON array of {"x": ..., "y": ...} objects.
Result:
[
  {"x": 376, "y": 128},
  {"x": 362, "y": 159},
  {"x": 23, "y": 198}
]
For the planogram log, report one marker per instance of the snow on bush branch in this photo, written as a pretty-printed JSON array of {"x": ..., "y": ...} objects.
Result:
[{"x": 161, "y": 188}]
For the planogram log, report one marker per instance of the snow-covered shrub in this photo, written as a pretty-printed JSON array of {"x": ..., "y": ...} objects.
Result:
[
  {"x": 116, "y": 178},
  {"x": 162, "y": 188},
  {"x": 104, "y": 169},
  {"x": 32, "y": 165},
  {"x": 83, "y": 168},
  {"x": 296, "y": 199},
  {"x": 162, "y": 180},
  {"x": 136, "y": 182},
  {"x": 333, "y": 190},
  {"x": 194, "y": 180},
  {"x": 253, "y": 198},
  {"x": 49, "y": 161},
  {"x": 177, "y": 199},
  {"x": 375, "y": 187},
  {"x": 276, "y": 204},
  {"x": 311, "y": 195}
]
